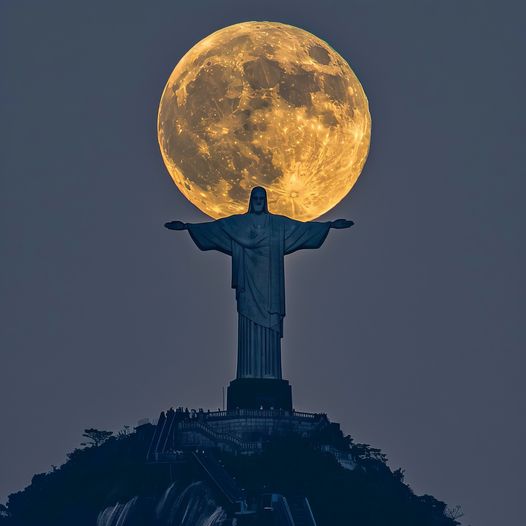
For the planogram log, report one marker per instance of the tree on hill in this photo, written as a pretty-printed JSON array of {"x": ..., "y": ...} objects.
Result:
[{"x": 95, "y": 437}]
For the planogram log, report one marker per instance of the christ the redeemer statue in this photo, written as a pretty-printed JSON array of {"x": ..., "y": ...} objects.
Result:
[{"x": 257, "y": 241}]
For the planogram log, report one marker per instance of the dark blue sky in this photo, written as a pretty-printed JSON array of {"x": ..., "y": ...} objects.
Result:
[{"x": 408, "y": 328}]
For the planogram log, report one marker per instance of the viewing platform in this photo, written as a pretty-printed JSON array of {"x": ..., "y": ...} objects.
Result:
[{"x": 241, "y": 431}]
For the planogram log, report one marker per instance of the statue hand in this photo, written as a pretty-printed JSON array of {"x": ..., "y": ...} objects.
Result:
[
  {"x": 342, "y": 223},
  {"x": 176, "y": 225}
]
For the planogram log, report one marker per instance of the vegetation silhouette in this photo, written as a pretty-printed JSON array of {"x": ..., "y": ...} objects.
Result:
[
  {"x": 114, "y": 470},
  {"x": 95, "y": 437}
]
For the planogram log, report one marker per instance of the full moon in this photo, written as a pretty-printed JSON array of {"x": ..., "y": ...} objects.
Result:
[{"x": 264, "y": 104}]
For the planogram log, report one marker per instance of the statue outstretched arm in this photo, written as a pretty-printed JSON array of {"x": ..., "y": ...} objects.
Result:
[
  {"x": 301, "y": 235},
  {"x": 207, "y": 236},
  {"x": 176, "y": 225},
  {"x": 342, "y": 223}
]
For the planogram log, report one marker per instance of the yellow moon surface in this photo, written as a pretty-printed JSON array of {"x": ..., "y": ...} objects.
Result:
[{"x": 264, "y": 104}]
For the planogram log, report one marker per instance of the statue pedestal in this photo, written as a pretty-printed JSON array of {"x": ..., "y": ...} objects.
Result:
[{"x": 259, "y": 393}]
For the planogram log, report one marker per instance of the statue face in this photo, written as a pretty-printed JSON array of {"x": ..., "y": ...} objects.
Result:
[{"x": 258, "y": 201}]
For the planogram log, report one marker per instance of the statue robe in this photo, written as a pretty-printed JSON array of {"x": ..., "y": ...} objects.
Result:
[{"x": 259, "y": 280}]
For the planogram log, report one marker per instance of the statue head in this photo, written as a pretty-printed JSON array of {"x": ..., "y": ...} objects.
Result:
[{"x": 258, "y": 201}]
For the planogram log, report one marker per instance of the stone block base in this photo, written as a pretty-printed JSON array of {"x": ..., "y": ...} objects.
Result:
[{"x": 259, "y": 393}]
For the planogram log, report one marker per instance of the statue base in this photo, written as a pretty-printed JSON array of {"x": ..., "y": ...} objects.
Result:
[{"x": 259, "y": 393}]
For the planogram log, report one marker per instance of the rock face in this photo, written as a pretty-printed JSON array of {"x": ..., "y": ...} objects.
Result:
[
  {"x": 132, "y": 513},
  {"x": 195, "y": 505}
]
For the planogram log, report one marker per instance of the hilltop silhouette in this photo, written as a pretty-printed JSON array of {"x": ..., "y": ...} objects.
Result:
[{"x": 108, "y": 482}]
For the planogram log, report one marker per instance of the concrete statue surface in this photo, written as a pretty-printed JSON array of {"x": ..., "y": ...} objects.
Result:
[{"x": 258, "y": 241}]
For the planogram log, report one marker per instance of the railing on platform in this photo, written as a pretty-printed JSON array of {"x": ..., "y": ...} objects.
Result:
[
  {"x": 217, "y": 436},
  {"x": 258, "y": 413}
]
